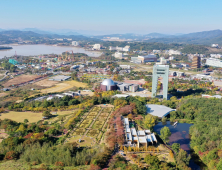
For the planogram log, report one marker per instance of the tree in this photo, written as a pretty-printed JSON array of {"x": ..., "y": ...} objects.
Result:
[
  {"x": 153, "y": 161},
  {"x": 149, "y": 121},
  {"x": 26, "y": 120},
  {"x": 176, "y": 147},
  {"x": 21, "y": 128},
  {"x": 46, "y": 113},
  {"x": 164, "y": 119},
  {"x": 183, "y": 158},
  {"x": 165, "y": 134}
]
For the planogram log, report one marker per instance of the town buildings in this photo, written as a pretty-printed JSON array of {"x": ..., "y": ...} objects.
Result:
[
  {"x": 215, "y": 55},
  {"x": 173, "y": 52}
]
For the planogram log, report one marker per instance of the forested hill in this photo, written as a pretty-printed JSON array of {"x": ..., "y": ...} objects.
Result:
[
  {"x": 206, "y": 138},
  {"x": 11, "y": 36},
  {"x": 205, "y": 38}
]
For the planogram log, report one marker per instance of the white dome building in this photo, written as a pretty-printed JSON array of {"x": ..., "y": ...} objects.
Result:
[{"x": 108, "y": 84}]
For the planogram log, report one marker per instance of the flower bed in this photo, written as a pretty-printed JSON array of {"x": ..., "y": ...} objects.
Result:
[
  {"x": 79, "y": 131},
  {"x": 93, "y": 114},
  {"x": 96, "y": 109},
  {"x": 93, "y": 133},
  {"x": 107, "y": 109},
  {"x": 98, "y": 124},
  {"x": 104, "y": 115},
  {"x": 86, "y": 123}
]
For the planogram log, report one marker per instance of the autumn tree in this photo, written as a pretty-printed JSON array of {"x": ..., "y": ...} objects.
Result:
[{"x": 149, "y": 121}]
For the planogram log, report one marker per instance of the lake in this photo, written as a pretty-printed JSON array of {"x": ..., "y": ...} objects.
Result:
[
  {"x": 179, "y": 134},
  {"x": 27, "y": 50}
]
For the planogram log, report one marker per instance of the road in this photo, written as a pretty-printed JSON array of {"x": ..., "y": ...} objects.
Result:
[{"x": 6, "y": 73}]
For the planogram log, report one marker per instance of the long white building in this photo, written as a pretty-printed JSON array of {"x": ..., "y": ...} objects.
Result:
[
  {"x": 126, "y": 48},
  {"x": 214, "y": 62}
]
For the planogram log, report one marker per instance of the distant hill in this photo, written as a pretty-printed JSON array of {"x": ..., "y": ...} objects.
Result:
[
  {"x": 205, "y": 38},
  {"x": 35, "y": 30},
  {"x": 7, "y": 37}
]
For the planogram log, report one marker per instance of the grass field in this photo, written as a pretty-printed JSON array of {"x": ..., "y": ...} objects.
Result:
[
  {"x": 20, "y": 116},
  {"x": 20, "y": 79},
  {"x": 60, "y": 87},
  {"x": 31, "y": 116},
  {"x": 85, "y": 141},
  {"x": 14, "y": 165},
  {"x": 46, "y": 83}
]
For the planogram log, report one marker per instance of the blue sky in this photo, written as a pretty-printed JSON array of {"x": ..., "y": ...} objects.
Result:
[{"x": 113, "y": 16}]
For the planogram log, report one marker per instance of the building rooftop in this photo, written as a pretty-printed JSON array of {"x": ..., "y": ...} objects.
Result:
[
  {"x": 158, "y": 110},
  {"x": 142, "y": 140},
  {"x": 126, "y": 120},
  {"x": 108, "y": 82},
  {"x": 141, "y": 133}
]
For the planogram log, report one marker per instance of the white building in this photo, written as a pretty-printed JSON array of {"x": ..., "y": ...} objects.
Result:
[
  {"x": 214, "y": 62},
  {"x": 118, "y": 55},
  {"x": 174, "y": 52},
  {"x": 215, "y": 45},
  {"x": 185, "y": 65},
  {"x": 96, "y": 46},
  {"x": 124, "y": 66},
  {"x": 163, "y": 61},
  {"x": 59, "y": 39},
  {"x": 215, "y": 55},
  {"x": 171, "y": 58},
  {"x": 75, "y": 43},
  {"x": 126, "y": 48},
  {"x": 177, "y": 65},
  {"x": 156, "y": 51}
]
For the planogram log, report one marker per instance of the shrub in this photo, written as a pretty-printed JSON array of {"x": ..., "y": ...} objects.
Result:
[
  {"x": 59, "y": 164},
  {"x": 11, "y": 155}
]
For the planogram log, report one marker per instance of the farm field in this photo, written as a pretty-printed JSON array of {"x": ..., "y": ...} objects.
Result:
[
  {"x": 60, "y": 87},
  {"x": 46, "y": 83},
  {"x": 20, "y": 79}
]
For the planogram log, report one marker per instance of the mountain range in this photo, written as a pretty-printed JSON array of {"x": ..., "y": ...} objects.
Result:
[{"x": 204, "y": 37}]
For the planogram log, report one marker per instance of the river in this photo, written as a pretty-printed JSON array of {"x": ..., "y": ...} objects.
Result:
[
  {"x": 32, "y": 50},
  {"x": 179, "y": 134}
]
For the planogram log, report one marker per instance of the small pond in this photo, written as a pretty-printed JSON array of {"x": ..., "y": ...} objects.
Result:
[{"x": 179, "y": 134}]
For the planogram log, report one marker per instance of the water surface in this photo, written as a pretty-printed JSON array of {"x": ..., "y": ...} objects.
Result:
[
  {"x": 179, "y": 134},
  {"x": 41, "y": 49}
]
